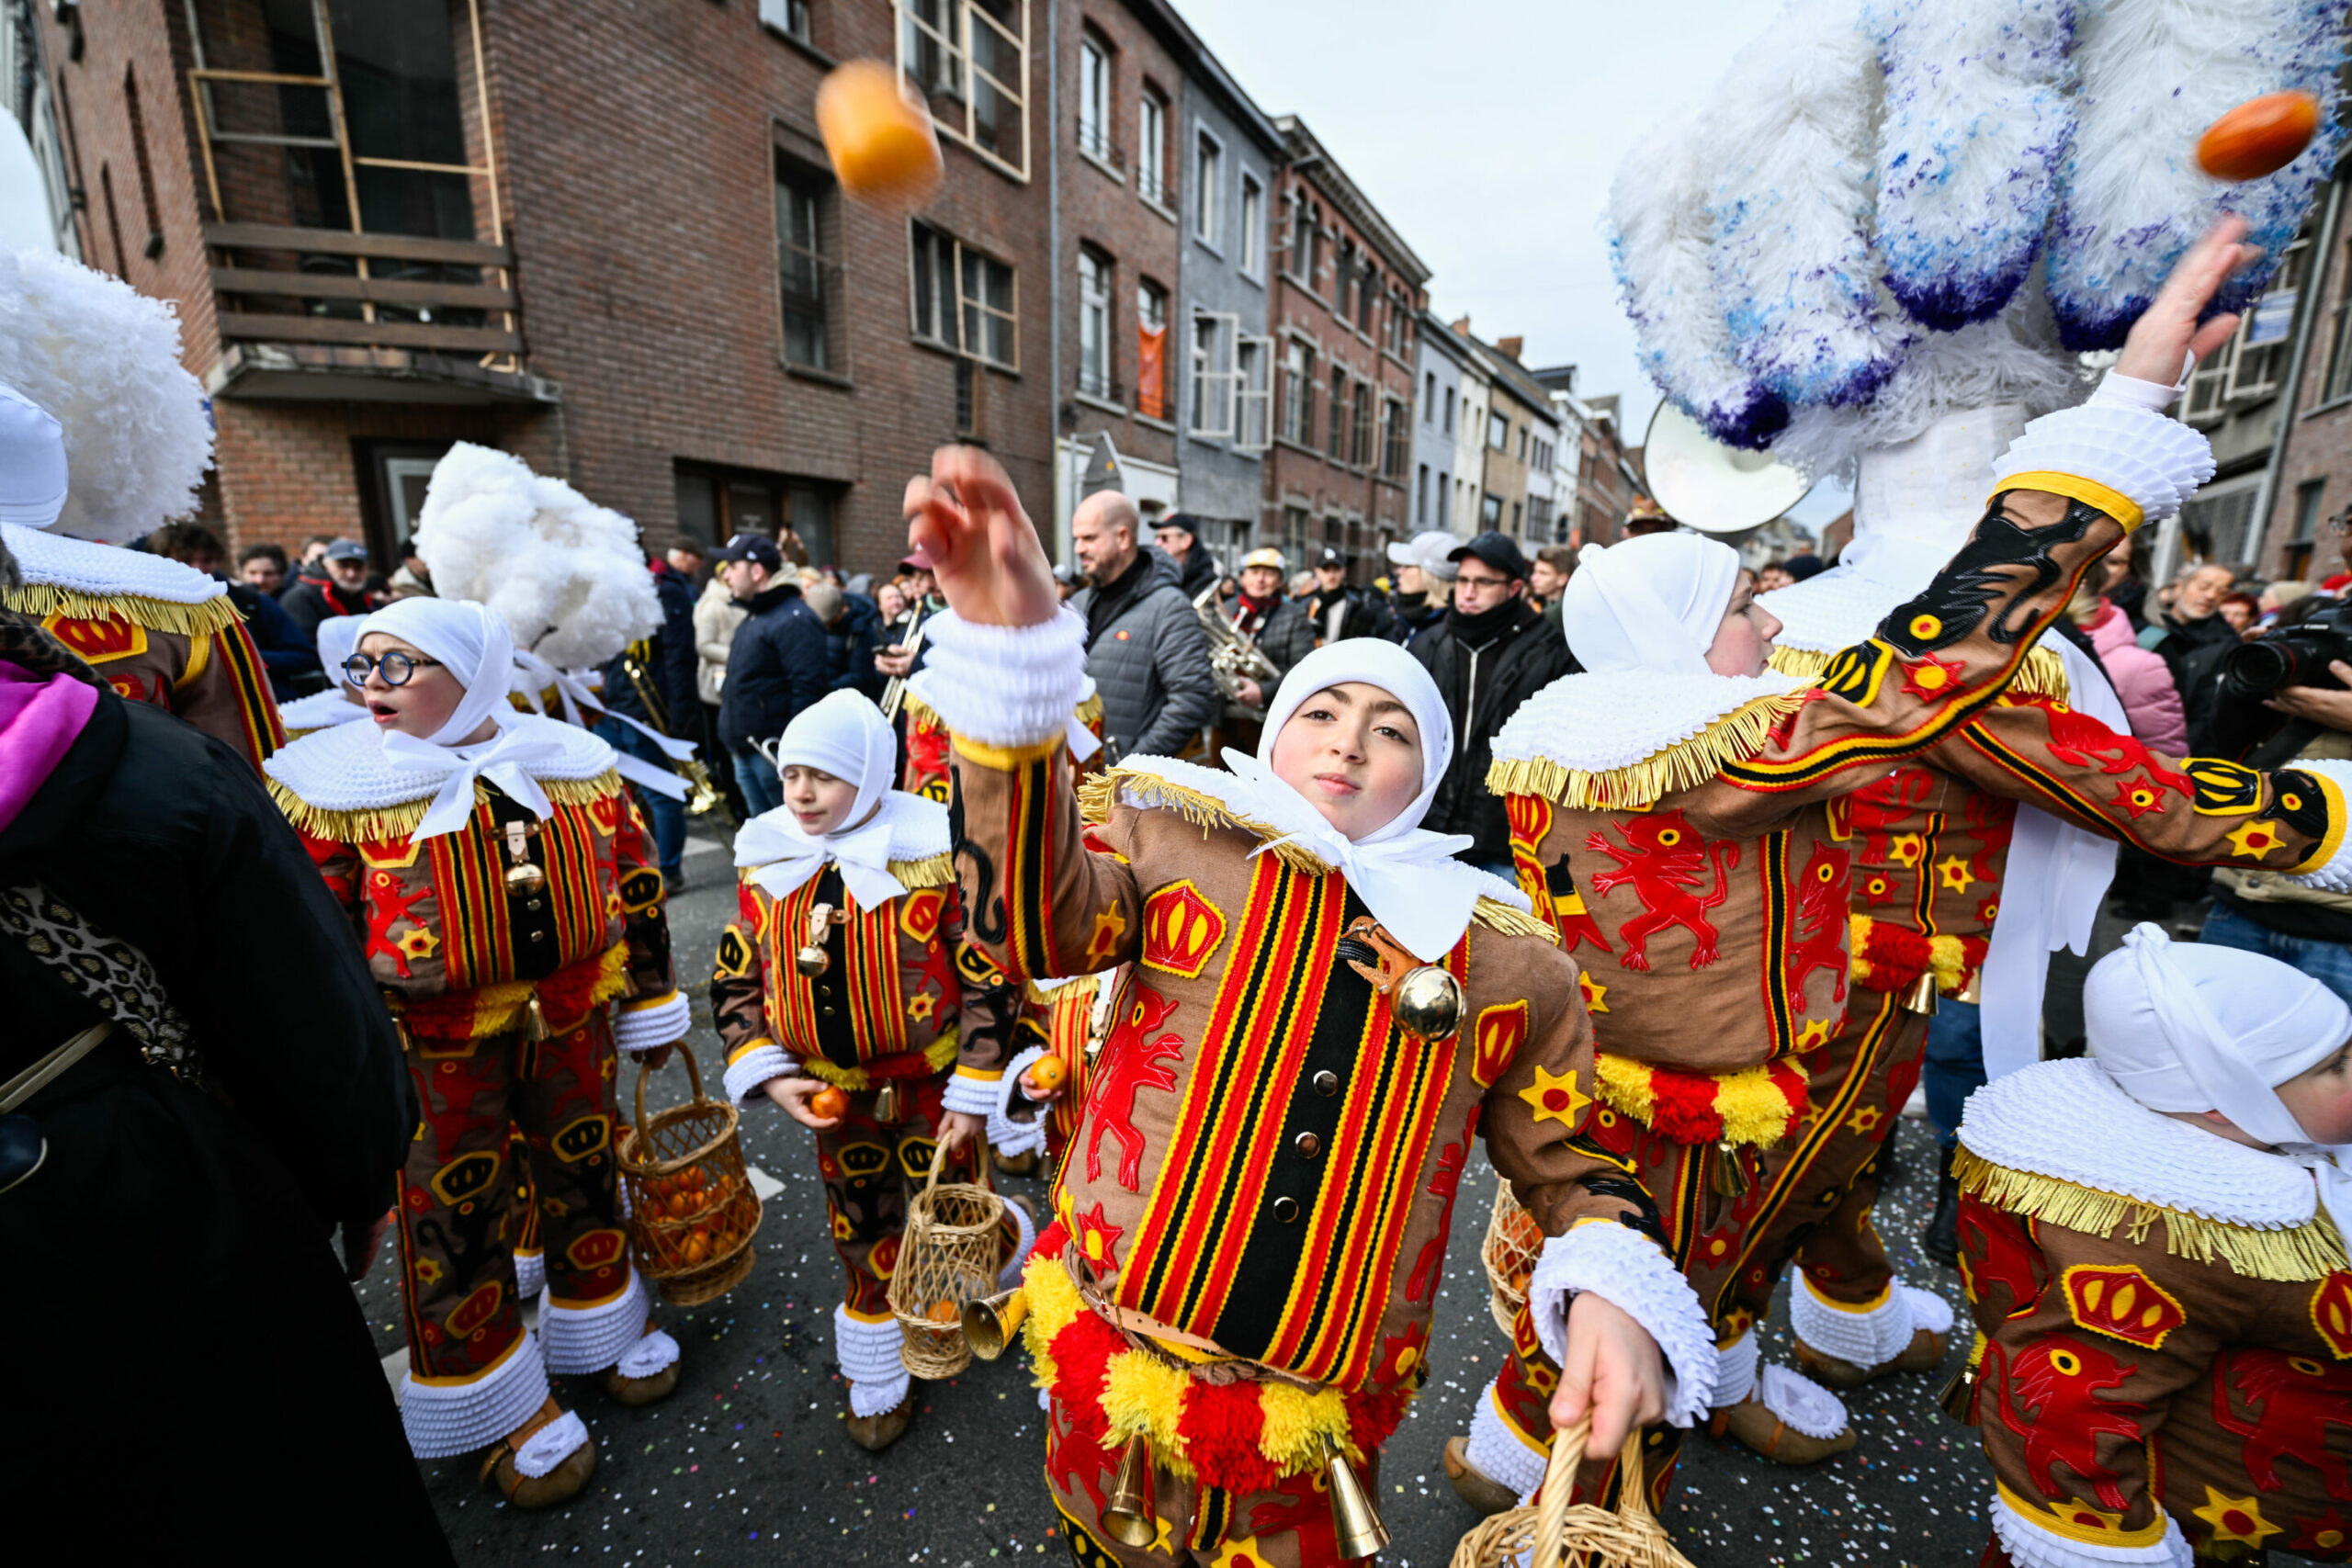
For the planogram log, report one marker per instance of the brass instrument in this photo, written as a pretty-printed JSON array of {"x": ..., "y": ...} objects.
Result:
[
  {"x": 1233, "y": 656},
  {"x": 895, "y": 694},
  {"x": 702, "y": 796}
]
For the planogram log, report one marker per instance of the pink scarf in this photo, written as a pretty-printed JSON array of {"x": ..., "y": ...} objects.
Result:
[{"x": 40, "y": 717}]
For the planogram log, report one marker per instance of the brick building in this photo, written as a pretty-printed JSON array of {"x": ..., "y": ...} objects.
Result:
[
  {"x": 1348, "y": 293},
  {"x": 601, "y": 238}
]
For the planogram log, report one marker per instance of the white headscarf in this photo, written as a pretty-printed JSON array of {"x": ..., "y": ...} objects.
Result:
[
  {"x": 1651, "y": 603},
  {"x": 2184, "y": 1026},
  {"x": 338, "y": 639},
  {"x": 472, "y": 642},
  {"x": 32, "y": 461},
  {"x": 846, "y": 735}
]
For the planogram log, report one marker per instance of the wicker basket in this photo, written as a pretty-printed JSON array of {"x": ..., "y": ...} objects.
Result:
[
  {"x": 1578, "y": 1536},
  {"x": 952, "y": 1250},
  {"x": 692, "y": 1210},
  {"x": 1512, "y": 1242}
]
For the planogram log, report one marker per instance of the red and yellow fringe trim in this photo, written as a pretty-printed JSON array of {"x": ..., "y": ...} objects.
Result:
[
  {"x": 1756, "y": 1106},
  {"x": 388, "y": 823},
  {"x": 1888, "y": 957},
  {"x": 929, "y": 1062},
  {"x": 565, "y": 998},
  {"x": 201, "y": 619},
  {"x": 1243, "y": 1437}
]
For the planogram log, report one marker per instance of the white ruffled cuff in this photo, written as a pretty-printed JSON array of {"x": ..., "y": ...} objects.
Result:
[
  {"x": 1003, "y": 685},
  {"x": 1866, "y": 1337},
  {"x": 1736, "y": 1370},
  {"x": 2155, "y": 462},
  {"x": 1625, "y": 1268},
  {"x": 2335, "y": 876},
  {"x": 869, "y": 1356},
  {"x": 1500, "y": 1451},
  {"x": 530, "y": 1274},
  {"x": 651, "y": 1023},
  {"x": 2031, "y": 1545},
  {"x": 443, "y": 1421},
  {"x": 1011, "y": 1139},
  {"x": 758, "y": 1064},
  {"x": 973, "y": 1094},
  {"x": 590, "y": 1339},
  {"x": 2118, "y": 390}
]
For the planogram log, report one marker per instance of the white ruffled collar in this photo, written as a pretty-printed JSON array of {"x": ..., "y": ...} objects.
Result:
[
  {"x": 344, "y": 768},
  {"x": 1594, "y": 724},
  {"x": 919, "y": 829},
  {"x": 2070, "y": 1120},
  {"x": 319, "y": 710},
  {"x": 1830, "y": 610},
  {"x": 52, "y": 560}
]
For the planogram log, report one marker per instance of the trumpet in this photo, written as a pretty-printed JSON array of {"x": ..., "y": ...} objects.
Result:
[
  {"x": 702, "y": 796},
  {"x": 895, "y": 694},
  {"x": 1233, "y": 656}
]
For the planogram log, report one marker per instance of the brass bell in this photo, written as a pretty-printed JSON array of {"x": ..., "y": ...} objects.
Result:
[
  {"x": 1730, "y": 1179},
  {"x": 1428, "y": 1002},
  {"x": 990, "y": 1322},
  {"x": 1129, "y": 1515},
  {"x": 523, "y": 879},
  {"x": 535, "y": 1021},
  {"x": 1919, "y": 996},
  {"x": 812, "y": 961},
  {"x": 886, "y": 1102},
  {"x": 1353, "y": 1518},
  {"x": 1958, "y": 1399}
]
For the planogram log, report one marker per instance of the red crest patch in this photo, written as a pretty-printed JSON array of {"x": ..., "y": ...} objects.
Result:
[
  {"x": 2332, "y": 1313},
  {"x": 2122, "y": 1303},
  {"x": 1501, "y": 1029},
  {"x": 1181, "y": 930},
  {"x": 96, "y": 641},
  {"x": 476, "y": 1310}
]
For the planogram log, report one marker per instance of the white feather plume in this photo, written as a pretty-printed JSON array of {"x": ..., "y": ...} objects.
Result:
[
  {"x": 105, "y": 360},
  {"x": 2154, "y": 73},
  {"x": 566, "y": 575},
  {"x": 1976, "y": 119},
  {"x": 1789, "y": 137}
]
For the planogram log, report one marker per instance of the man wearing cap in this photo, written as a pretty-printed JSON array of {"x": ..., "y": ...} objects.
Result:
[
  {"x": 1339, "y": 610},
  {"x": 1177, "y": 536},
  {"x": 1491, "y": 653},
  {"x": 1277, "y": 624},
  {"x": 1144, "y": 643},
  {"x": 345, "y": 591},
  {"x": 1424, "y": 582},
  {"x": 778, "y": 663},
  {"x": 1646, "y": 516}
]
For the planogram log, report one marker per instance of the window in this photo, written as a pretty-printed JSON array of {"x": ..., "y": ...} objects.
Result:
[
  {"x": 1517, "y": 516},
  {"x": 1094, "y": 96},
  {"x": 1344, "y": 277},
  {"x": 2209, "y": 386},
  {"x": 1392, "y": 326},
  {"x": 970, "y": 60},
  {"x": 1337, "y": 446},
  {"x": 1301, "y": 242},
  {"x": 1208, "y": 162},
  {"x": 114, "y": 220},
  {"x": 2339, "y": 364},
  {"x": 1093, "y": 323},
  {"x": 1360, "y": 437},
  {"x": 1421, "y": 497},
  {"x": 1151, "y": 349},
  {"x": 1444, "y": 491},
  {"x": 1491, "y": 513},
  {"x": 1151, "y": 146},
  {"x": 153, "y": 244},
  {"x": 1498, "y": 432},
  {"x": 1449, "y": 411},
  {"x": 786, "y": 17},
  {"x": 1298, "y": 393},
  {"x": 1294, "y": 533},
  {"x": 1367, "y": 296},
  {"x": 1522, "y": 441},
  {"x": 1394, "y": 424},
  {"x": 2265, "y": 339},
  {"x": 2307, "y": 496},
  {"x": 1539, "y": 516},
  {"x": 963, "y": 299},
  {"x": 1428, "y": 395},
  {"x": 1253, "y": 356},
  {"x": 1212, "y": 405},
  {"x": 800, "y": 265},
  {"x": 1253, "y": 223}
]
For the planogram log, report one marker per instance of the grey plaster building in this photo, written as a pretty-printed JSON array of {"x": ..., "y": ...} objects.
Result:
[{"x": 1440, "y": 407}]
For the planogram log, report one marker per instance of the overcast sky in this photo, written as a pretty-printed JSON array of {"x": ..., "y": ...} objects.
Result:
[{"x": 1488, "y": 141}]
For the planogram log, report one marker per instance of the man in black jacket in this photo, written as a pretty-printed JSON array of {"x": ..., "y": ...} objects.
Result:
[
  {"x": 1491, "y": 653},
  {"x": 345, "y": 587},
  {"x": 777, "y": 664},
  {"x": 663, "y": 666},
  {"x": 1144, "y": 643},
  {"x": 182, "y": 1335},
  {"x": 1339, "y": 610},
  {"x": 1179, "y": 539}
]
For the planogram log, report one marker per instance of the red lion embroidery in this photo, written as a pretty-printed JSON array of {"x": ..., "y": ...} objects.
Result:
[
  {"x": 2291, "y": 1402},
  {"x": 1663, "y": 861},
  {"x": 2058, "y": 1414},
  {"x": 1444, "y": 1182},
  {"x": 1129, "y": 1062},
  {"x": 2083, "y": 741},
  {"x": 1820, "y": 926}
]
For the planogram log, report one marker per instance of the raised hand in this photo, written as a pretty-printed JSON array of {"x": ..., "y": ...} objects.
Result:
[
  {"x": 984, "y": 550},
  {"x": 2167, "y": 331}
]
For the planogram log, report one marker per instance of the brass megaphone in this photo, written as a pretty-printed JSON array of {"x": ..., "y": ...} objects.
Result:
[
  {"x": 1919, "y": 996},
  {"x": 1128, "y": 1515},
  {"x": 991, "y": 1323},
  {"x": 1353, "y": 1518}
]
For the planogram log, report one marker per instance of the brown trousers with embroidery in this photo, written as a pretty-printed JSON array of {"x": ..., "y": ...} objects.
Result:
[
  {"x": 871, "y": 1170},
  {"x": 459, "y": 1216}
]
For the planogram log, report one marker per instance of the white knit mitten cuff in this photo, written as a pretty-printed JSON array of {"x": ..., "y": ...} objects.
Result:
[
  {"x": 1736, "y": 1370},
  {"x": 747, "y": 1072},
  {"x": 1500, "y": 1451},
  {"x": 653, "y": 1023},
  {"x": 445, "y": 1419},
  {"x": 590, "y": 1339},
  {"x": 975, "y": 1093},
  {"x": 868, "y": 1353},
  {"x": 1625, "y": 1268},
  {"x": 2153, "y": 462},
  {"x": 1003, "y": 685},
  {"x": 2335, "y": 876},
  {"x": 2032, "y": 1545},
  {"x": 1866, "y": 1337},
  {"x": 2121, "y": 391}
]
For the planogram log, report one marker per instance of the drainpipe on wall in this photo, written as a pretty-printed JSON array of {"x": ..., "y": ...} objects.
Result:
[
  {"x": 2266, "y": 497},
  {"x": 1053, "y": 278}
]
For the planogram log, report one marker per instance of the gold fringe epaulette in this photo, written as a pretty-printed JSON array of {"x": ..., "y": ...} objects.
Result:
[
  {"x": 2312, "y": 1250},
  {"x": 1734, "y": 737},
  {"x": 41, "y": 600},
  {"x": 919, "y": 714},
  {"x": 931, "y": 871},
  {"x": 1497, "y": 916},
  {"x": 1089, "y": 712},
  {"x": 387, "y": 822},
  {"x": 2042, "y": 674}
]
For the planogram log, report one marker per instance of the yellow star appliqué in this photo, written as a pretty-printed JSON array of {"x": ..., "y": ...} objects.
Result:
[
  {"x": 1555, "y": 1098},
  {"x": 1864, "y": 1119},
  {"x": 1814, "y": 1033},
  {"x": 1907, "y": 849},
  {"x": 1240, "y": 1552},
  {"x": 2237, "y": 1519},
  {"x": 1595, "y": 994},
  {"x": 418, "y": 943},
  {"x": 1953, "y": 873},
  {"x": 1110, "y": 925},
  {"x": 920, "y": 1007},
  {"x": 2256, "y": 839}
]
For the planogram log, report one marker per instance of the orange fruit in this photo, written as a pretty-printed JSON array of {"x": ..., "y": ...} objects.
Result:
[
  {"x": 1045, "y": 1074},
  {"x": 878, "y": 136},
  {"x": 828, "y": 1104},
  {"x": 945, "y": 1313},
  {"x": 2259, "y": 137},
  {"x": 697, "y": 1249}
]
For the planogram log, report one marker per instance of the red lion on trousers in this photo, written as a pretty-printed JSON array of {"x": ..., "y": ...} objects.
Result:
[
  {"x": 1819, "y": 931},
  {"x": 1664, "y": 859}
]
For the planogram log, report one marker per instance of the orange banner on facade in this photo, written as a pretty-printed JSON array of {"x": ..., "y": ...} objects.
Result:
[{"x": 1151, "y": 372}]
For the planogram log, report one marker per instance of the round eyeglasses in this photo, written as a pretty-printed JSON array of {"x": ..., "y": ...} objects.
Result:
[{"x": 395, "y": 667}]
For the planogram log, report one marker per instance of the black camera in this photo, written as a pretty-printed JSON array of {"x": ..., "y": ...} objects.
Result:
[{"x": 2255, "y": 670}]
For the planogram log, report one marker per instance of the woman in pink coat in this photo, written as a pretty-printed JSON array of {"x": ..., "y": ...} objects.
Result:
[{"x": 2140, "y": 678}]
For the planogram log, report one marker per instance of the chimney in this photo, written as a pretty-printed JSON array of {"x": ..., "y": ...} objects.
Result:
[
  {"x": 1463, "y": 326},
  {"x": 1509, "y": 347}
]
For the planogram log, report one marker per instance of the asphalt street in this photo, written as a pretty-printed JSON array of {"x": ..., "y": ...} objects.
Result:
[{"x": 748, "y": 1462}]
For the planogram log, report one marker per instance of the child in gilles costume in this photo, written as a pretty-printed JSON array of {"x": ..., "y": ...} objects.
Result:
[
  {"x": 2153, "y": 1240},
  {"x": 1324, "y": 1007},
  {"x": 501, "y": 885},
  {"x": 856, "y": 869}
]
